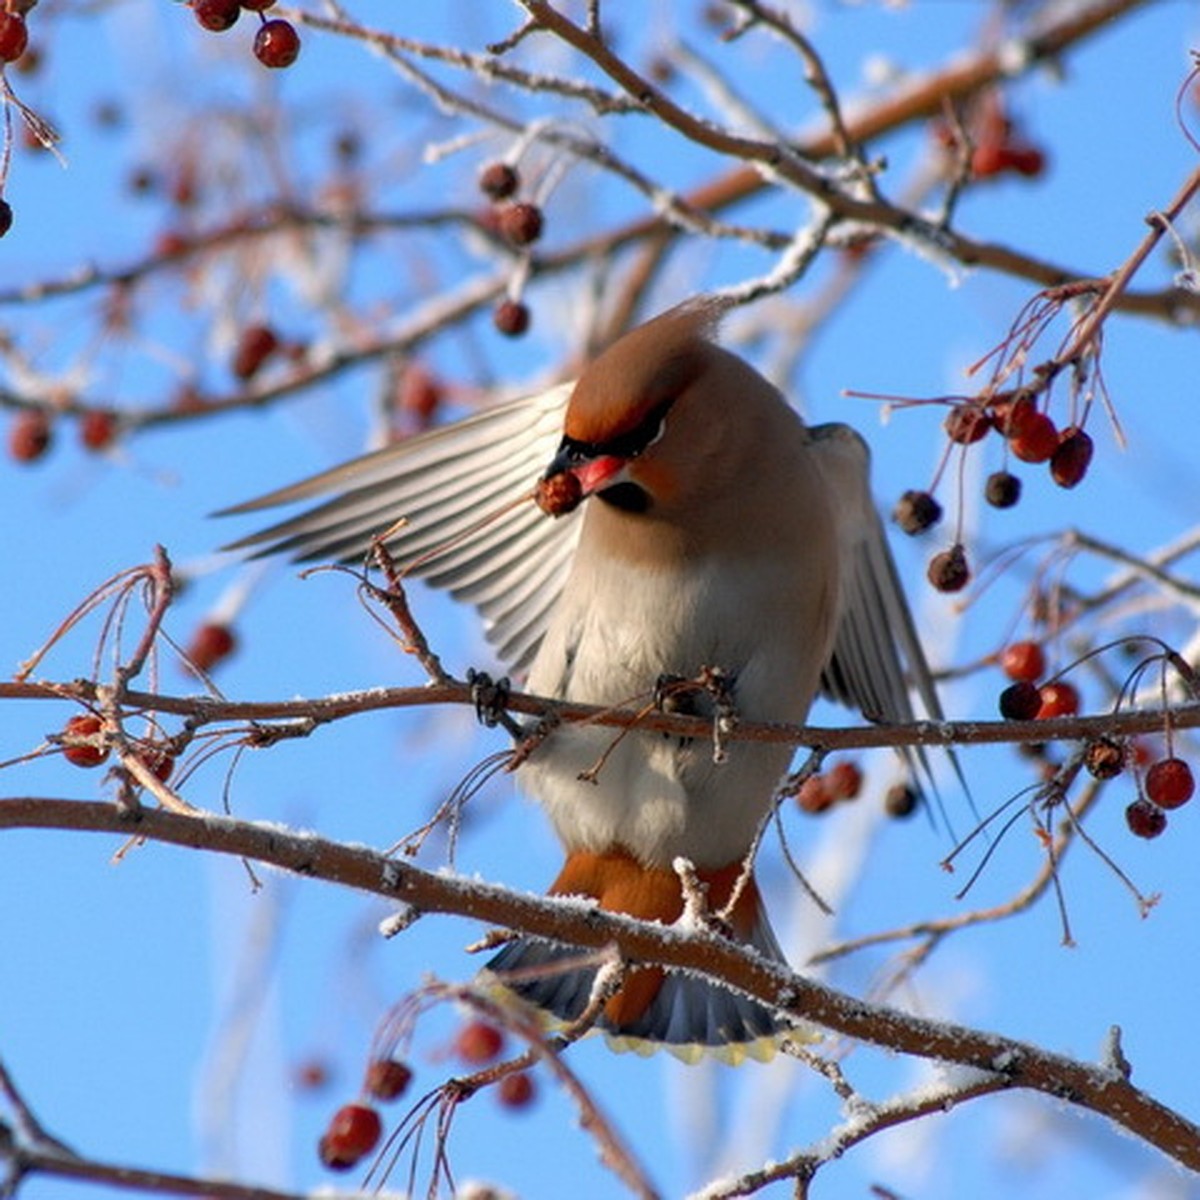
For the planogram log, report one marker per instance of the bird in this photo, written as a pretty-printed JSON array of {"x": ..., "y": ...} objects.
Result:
[{"x": 664, "y": 521}]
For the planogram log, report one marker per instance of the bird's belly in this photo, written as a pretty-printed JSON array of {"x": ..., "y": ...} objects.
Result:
[{"x": 656, "y": 795}]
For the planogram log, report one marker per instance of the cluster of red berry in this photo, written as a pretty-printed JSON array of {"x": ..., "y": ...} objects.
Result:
[
  {"x": 276, "y": 44},
  {"x": 14, "y": 41},
  {"x": 355, "y": 1129},
  {"x": 31, "y": 434},
  {"x": 478, "y": 1044},
  {"x": 85, "y": 745},
  {"x": 998, "y": 146},
  {"x": 1167, "y": 783},
  {"x": 520, "y": 223},
  {"x": 1030, "y": 435},
  {"x": 844, "y": 781},
  {"x": 1025, "y": 699}
]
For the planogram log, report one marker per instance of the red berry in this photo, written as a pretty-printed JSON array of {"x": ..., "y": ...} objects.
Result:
[
  {"x": 211, "y": 643},
  {"x": 1002, "y": 489},
  {"x": 387, "y": 1078},
  {"x": 558, "y": 495},
  {"x": 1144, "y": 819},
  {"x": 97, "y": 428},
  {"x": 14, "y": 36},
  {"x": 967, "y": 423},
  {"x": 1020, "y": 702},
  {"x": 1072, "y": 457},
  {"x": 1037, "y": 439},
  {"x": 30, "y": 435},
  {"x": 1023, "y": 660},
  {"x": 257, "y": 5},
  {"x": 160, "y": 762},
  {"x": 521, "y": 223},
  {"x": 1026, "y": 160},
  {"x": 844, "y": 780},
  {"x": 1059, "y": 699},
  {"x": 990, "y": 157},
  {"x": 1011, "y": 411},
  {"x": 256, "y": 344},
  {"x": 170, "y": 243},
  {"x": 479, "y": 1042},
  {"x": 516, "y": 1090},
  {"x": 499, "y": 180},
  {"x": 1169, "y": 783},
  {"x": 916, "y": 511},
  {"x": 948, "y": 571},
  {"x": 814, "y": 796},
  {"x": 217, "y": 15},
  {"x": 511, "y": 318},
  {"x": 276, "y": 44},
  {"x": 352, "y": 1133},
  {"x": 420, "y": 394},
  {"x": 84, "y": 754},
  {"x": 6, "y": 217}
]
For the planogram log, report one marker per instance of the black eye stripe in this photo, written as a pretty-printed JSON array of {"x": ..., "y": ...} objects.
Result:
[{"x": 624, "y": 445}]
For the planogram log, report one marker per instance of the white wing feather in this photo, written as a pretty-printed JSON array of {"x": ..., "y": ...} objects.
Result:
[{"x": 457, "y": 491}]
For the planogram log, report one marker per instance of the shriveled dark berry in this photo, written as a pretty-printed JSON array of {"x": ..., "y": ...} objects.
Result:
[
  {"x": 387, "y": 1078},
  {"x": 499, "y": 180},
  {"x": 511, "y": 317},
  {"x": 916, "y": 511},
  {"x": 948, "y": 570},
  {"x": 1072, "y": 457},
  {"x": 6, "y": 217},
  {"x": 1104, "y": 757},
  {"x": 967, "y": 423},
  {"x": 1002, "y": 490},
  {"x": 901, "y": 800},
  {"x": 521, "y": 223}
]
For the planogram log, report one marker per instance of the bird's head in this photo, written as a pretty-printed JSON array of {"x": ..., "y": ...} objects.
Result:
[{"x": 645, "y": 416}]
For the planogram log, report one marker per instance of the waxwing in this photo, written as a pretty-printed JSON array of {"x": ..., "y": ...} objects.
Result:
[{"x": 690, "y": 521}]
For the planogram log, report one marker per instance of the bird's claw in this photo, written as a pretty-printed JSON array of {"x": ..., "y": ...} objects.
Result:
[{"x": 490, "y": 698}]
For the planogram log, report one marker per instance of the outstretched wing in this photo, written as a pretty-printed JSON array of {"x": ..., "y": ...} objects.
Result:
[
  {"x": 458, "y": 502},
  {"x": 877, "y": 661}
]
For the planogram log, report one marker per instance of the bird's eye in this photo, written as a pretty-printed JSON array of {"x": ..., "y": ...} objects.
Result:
[{"x": 629, "y": 444}]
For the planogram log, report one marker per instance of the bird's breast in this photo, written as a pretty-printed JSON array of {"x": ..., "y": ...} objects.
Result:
[{"x": 623, "y": 624}]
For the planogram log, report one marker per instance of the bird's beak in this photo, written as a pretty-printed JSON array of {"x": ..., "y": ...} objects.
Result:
[
  {"x": 573, "y": 475},
  {"x": 593, "y": 473}
]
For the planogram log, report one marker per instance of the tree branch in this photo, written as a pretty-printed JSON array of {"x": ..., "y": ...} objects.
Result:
[{"x": 1100, "y": 1089}]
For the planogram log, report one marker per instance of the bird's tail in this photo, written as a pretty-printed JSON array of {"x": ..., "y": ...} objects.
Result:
[{"x": 687, "y": 1014}]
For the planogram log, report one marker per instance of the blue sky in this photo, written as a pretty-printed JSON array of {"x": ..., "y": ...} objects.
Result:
[{"x": 156, "y": 1010}]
